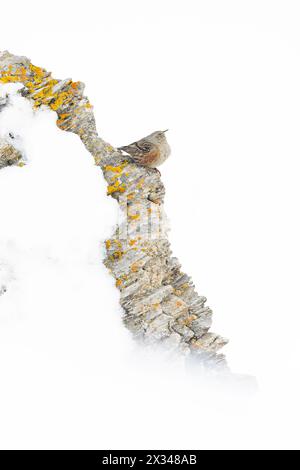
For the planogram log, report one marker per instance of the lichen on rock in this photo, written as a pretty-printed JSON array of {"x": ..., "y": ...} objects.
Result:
[{"x": 160, "y": 302}]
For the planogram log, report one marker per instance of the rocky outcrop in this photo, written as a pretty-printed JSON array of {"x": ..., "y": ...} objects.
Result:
[
  {"x": 8, "y": 154},
  {"x": 160, "y": 302}
]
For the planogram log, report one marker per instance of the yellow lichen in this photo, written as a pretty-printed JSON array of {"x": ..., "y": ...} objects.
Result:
[
  {"x": 40, "y": 85},
  {"x": 75, "y": 85},
  {"x": 62, "y": 98},
  {"x": 117, "y": 254},
  {"x": 116, "y": 187},
  {"x": 118, "y": 243},
  {"x": 134, "y": 216},
  {"x": 116, "y": 169},
  {"x": 140, "y": 183},
  {"x": 38, "y": 71}
]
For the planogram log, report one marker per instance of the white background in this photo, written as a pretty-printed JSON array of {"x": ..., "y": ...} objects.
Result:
[{"x": 224, "y": 77}]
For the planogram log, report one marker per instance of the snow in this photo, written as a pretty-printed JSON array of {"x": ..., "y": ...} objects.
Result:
[
  {"x": 67, "y": 361},
  {"x": 224, "y": 78}
]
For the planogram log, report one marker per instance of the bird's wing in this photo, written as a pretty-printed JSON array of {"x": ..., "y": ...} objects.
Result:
[
  {"x": 144, "y": 145},
  {"x": 137, "y": 148},
  {"x": 132, "y": 149}
]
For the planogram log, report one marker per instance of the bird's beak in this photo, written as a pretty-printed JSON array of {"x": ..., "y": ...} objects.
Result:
[{"x": 165, "y": 130}]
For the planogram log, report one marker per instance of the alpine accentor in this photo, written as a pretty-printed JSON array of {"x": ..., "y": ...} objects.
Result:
[{"x": 151, "y": 151}]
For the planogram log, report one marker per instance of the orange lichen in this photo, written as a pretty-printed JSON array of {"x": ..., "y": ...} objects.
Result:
[
  {"x": 188, "y": 320},
  {"x": 117, "y": 242},
  {"x": 134, "y": 267},
  {"x": 120, "y": 280},
  {"x": 75, "y": 85}
]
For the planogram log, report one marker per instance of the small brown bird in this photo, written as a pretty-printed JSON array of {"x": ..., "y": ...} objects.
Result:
[{"x": 151, "y": 151}]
